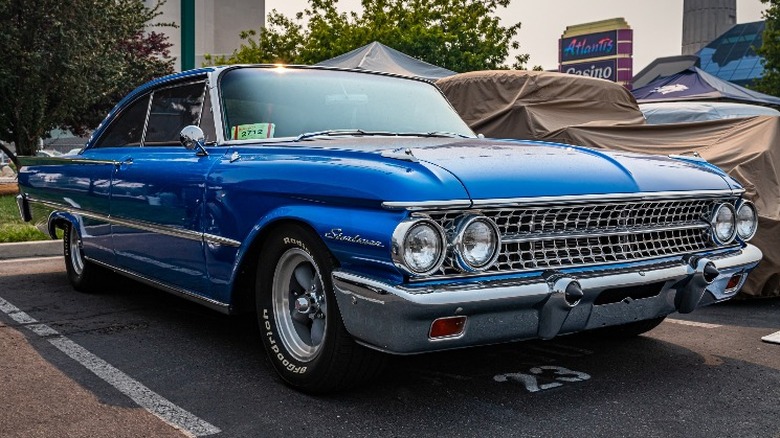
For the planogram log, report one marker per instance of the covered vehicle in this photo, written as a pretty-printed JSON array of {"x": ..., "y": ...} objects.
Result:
[
  {"x": 358, "y": 215},
  {"x": 532, "y": 104},
  {"x": 657, "y": 113}
]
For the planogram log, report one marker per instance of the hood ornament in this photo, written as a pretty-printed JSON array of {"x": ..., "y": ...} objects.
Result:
[{"x": 403, "y": 154}]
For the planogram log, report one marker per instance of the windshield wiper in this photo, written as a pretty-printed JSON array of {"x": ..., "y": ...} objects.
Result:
[
  {"x": 336, "y": 132},
  {"x": 445, "y": 134},
  {"x": 331, "y": 132}
]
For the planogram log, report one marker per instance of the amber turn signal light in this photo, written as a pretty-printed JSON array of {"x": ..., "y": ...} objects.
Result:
[{"x": 448, "y": 327}]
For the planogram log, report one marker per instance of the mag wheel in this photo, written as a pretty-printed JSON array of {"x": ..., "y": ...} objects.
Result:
[
  {"x": 300, "y": 306},
  {"x": 82, "y": 274},
  {"x": 299, "y": 319}
]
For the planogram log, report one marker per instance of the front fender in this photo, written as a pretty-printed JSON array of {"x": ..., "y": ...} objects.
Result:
[{"x": 360, "y": 239}]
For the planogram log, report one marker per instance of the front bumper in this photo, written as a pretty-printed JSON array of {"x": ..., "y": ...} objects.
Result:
[{"x": 397, "y": 319}]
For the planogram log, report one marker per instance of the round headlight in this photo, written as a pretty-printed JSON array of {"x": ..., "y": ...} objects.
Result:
[
  {"x": 476, "y": 243},
  {"x": 422, "y": 247},
  {"x": 724, "y": 223},
  {"x": 747, "y": 220}
]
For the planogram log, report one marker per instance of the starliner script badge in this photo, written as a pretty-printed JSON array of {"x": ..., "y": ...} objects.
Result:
[{"x": 338, "y": 234}]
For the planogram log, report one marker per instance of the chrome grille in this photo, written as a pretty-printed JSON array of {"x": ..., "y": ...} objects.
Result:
[{"x": 545, "y": 237}]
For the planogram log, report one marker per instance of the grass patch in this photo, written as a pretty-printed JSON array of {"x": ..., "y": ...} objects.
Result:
[{"x": 12, "y": 228}]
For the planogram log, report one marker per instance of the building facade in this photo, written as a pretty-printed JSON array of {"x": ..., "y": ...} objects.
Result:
[
  {"x": 732, "y": 56},
  {"x": 705, "y": 20},
  {"x": 217, "y": 25}
]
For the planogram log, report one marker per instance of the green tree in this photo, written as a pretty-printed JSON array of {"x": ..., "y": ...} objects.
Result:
[
  {"x": 770, "y": 50},
  {"x": 461, "y": 35},
  {"x": 64, "y": 63}
]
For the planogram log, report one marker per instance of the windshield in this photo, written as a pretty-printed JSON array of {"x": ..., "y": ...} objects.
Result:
[{"x": 265, "y": 103}]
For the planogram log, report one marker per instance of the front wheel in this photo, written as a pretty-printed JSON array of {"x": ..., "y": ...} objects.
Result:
[
  {"x": 299, "y": 319},
  {"x": 83, "y": 275}
]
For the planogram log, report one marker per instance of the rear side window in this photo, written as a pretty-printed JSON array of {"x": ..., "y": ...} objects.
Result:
[
  {"x": 128, "y": 127},
  {"x": 171, "y": 109}
]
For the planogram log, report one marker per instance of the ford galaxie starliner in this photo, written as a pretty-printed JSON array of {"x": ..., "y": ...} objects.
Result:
[{"x": 358, "y": 215}]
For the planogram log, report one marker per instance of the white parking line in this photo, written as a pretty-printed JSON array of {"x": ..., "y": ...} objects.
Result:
[
  {"x": 693, "y": 323},
  {"x": 774, "y": 338},
  {"x": 143, "y": 396}
]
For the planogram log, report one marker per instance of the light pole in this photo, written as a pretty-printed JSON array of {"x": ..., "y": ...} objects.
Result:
[{"x": 187, "y": 34}]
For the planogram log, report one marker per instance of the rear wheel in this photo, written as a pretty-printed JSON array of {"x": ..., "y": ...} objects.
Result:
[
  {"x": 630, "y": 330},
  {"x": 83, "y": 275},
  {"x": 299, "y": 319}
]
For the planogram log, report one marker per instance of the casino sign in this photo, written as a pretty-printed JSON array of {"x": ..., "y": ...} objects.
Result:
[{"x": 601, "y": 49}]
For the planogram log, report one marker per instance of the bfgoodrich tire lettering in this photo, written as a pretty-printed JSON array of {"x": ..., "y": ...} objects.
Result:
[{"x": 299, "y": 320}]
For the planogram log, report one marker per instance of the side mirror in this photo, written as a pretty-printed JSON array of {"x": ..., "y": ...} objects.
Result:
[{"x": 192, "y": 137}]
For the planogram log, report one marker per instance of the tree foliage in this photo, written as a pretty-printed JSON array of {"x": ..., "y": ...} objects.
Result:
[
  {"x": 770, "y": 50},
  {"x": 460, "y": 35},
  {"x": 64, "y": 63}
]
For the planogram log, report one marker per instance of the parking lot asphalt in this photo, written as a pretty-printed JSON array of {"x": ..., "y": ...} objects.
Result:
[
  {"x": 53, "y": 401},
  {"x": 38, "y": 398}
]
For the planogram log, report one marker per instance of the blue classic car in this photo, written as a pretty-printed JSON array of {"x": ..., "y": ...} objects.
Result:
[{"x": 358, "y": 215}]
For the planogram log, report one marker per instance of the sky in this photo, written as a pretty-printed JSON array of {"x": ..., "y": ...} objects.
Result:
[{"x": 657, "y": 24}]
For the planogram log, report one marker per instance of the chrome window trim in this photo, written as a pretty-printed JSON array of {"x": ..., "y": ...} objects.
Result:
[
  {"x": 546, "y": 200},
  {"x": 144, "y": 226},
  {"x": 216, "y": 105},
  {"x": 150, "y": 98},
  {"x": 193, "y": 81}
]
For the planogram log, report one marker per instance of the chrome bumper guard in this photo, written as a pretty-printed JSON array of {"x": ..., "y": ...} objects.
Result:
[{"x": 397, "y": 319}]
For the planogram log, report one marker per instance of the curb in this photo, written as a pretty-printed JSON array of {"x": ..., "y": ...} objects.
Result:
[{"x": 20, "y": 250}]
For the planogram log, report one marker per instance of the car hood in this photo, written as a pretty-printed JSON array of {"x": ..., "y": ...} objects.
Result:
[{"x": 500, "y": 169}]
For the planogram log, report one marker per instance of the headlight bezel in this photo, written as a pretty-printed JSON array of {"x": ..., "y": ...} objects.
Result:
[
  {"x": 720, "y": 240},
  {"x": 399, "y": 243},
  {"x": 457, "y": 243},
  {"x": 746, "y": 204}
]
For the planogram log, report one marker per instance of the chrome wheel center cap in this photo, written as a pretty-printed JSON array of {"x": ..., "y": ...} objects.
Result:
[{"x": 303, "y": 305}]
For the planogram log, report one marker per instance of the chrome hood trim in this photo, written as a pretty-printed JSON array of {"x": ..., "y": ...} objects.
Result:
[{"x": 547, "y": 200}]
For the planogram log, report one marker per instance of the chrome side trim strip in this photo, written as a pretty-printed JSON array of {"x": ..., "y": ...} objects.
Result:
[
  {"x": 547, "y": 200},
  {"x": 427, "y": 205},
  {"x": 220, "y": 240},
  {"x": 208, "y": 302},
  {"x": 30, "y": 161},
  {"x": 144, "y": 226},
  {"x": 522, "y": 238}
]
